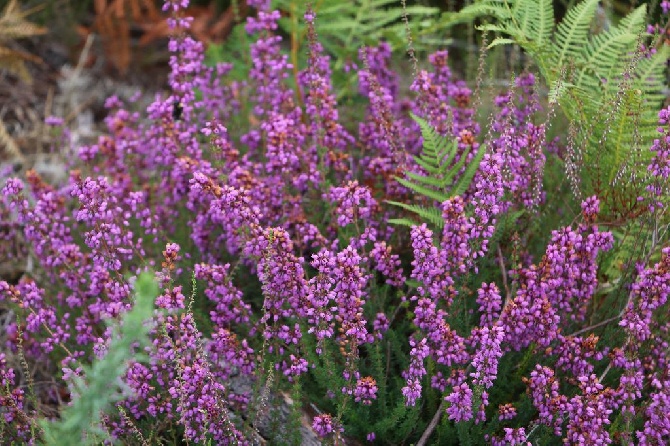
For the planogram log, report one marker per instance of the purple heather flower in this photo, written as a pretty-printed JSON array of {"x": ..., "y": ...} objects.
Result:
[
  {"x": 490, "y": 303},
  {"x": 659, "y": 167},
  {"x": 649, "y": 292},
  {"x": 543, "y": 388},
  {"x": 171, "y": 299},
  {"x": 460, "y": 403},
  {"x": 388, "y": 264},
  {"x": 512, "y": 437},
  {"x": 352, "y": 202},
  {"x": 294, "y": 366},
  {"x": 175, "y": 5},
  {"x": 366, "y": 390},
  {"x": 445, "y": 101},
  {"x": 230, "y": 306},
  {"x": 320, "y": 105},
  {"x": 657, "y": 423},
  {"x": 485, "y": 360},
  {"x": 380, "y": 325},
  {"x": 12, "y": 401},
  {"x": 201, "y": 398},
  {"x": 412, "y": 391},
  {"x": 588, "y": 413},
  {"x": 323, "y": 425},
  {"x": 506, "y": 412},
  {"x": 281, "y": 273},
  {"x": 430, "y": 265}
]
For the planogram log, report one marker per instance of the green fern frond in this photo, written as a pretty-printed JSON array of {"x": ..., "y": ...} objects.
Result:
[
  {"x": 600, "y": 80},
  {"x": 545, "y": 21},
  {"x": 650, "y": 78},
  {"x": 433, "y": 216},
  {"x": 465, "y": 180},
  {"x": 435, "y": 147},
  {"x": 635, "y": 21},
  {"x": 433, "y": 194},
  {"x": 445, "y": 176},
  {"x": 438, "y": 154},
  {"x": 518, "y": 19},
  {"x": 500, "y": 9},
  {"x": 344, "y": 26},
  {"x": 500, "y": 41},
  {"x": 573, "y": 31},
  {"x": 535, "y": 18},
  {"x": 404, "y": 222},
  {"x": 558, "y": 89},
  {"x": 427, "y": 180}
]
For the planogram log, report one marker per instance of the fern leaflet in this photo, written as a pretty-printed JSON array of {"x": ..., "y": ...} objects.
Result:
[{"x": 446, "y": 176}]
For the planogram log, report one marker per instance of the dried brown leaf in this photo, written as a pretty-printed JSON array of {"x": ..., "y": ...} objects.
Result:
[
  {"x": 8, "y": 143},
  {"x": 13, "y": 25}
]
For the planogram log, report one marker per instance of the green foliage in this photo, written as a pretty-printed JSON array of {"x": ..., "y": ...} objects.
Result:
[
  {"x": 506, "y": 225},
  {"x": 590, "y": 70},
  {"x": 95, "y": 394},
  {"x": 344, "y": 27},
  {"x": 235, "y": 48},
  {"x": 443, "y": 178}
]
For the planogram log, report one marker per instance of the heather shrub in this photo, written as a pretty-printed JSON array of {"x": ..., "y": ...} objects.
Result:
[{"x": 400, "y": 269}]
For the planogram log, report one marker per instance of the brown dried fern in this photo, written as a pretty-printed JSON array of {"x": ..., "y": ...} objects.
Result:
[
  {"x": 13, "y": 26},
  {"x": 113, "y": 20},
  {"x": 8, "y": 143}
]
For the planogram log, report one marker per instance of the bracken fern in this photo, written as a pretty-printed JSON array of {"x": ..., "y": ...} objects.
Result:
[
  {"x": 444, "y": 176},
  {"x": 602, "y": 80}
]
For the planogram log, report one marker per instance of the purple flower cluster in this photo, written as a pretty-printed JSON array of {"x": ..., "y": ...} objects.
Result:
[
  {"x": 485, "y": 360},
  {"x": 274, "y": 236},
  {"x": 419, "y": 352},
  {"x": 648, "y": 293},
  {"x": 325, "y": 129},
  {"x": 521, "y": 143},
  {"x": 460, "y": 403},
  {"x": 12, "y": 404},
  {"x": 323, "y": 425},
  {"x": 366, "y": 390},
  {"x": 659, "y": 167},
  {"x": 352, "y": 202},
  {"x": 443, "y": 100},
  {"x": 201, "y": 399}
]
